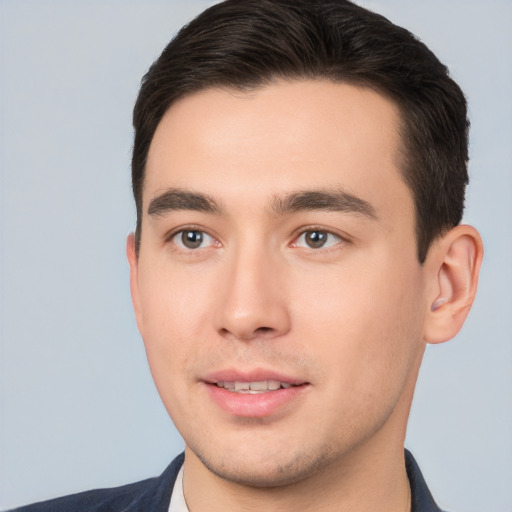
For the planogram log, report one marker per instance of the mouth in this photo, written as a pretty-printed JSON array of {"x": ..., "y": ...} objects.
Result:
[
  {"x": 255, "y": 393},
  {"x": 255, "y": 387}
]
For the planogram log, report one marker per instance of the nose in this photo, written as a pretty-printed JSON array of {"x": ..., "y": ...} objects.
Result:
[{"x": 253, "y": 301}]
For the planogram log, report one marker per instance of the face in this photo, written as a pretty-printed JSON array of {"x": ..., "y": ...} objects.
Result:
[{"x": 277, "y": 288}]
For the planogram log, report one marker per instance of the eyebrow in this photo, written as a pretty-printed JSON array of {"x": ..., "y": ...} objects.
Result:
[
  {"x": 310, "y": 200},
  {"x": 180, "y": 200},
  {"x": 332, "y": 201}
]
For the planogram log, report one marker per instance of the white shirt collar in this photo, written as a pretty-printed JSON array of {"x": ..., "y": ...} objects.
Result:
[{"x": 178, "y": 503}]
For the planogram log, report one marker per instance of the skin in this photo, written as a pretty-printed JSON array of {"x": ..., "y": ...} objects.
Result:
[{"x": 349, "y": 319}]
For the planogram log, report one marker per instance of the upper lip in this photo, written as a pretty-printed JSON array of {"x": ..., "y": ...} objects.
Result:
[{"x": 253, "y": 375}]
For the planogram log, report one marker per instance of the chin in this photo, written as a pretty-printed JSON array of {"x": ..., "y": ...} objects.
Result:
[{"x": 268, "y": 471}]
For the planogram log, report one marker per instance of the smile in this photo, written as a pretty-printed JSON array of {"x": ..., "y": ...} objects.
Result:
[{"x": 262, "y": 386}]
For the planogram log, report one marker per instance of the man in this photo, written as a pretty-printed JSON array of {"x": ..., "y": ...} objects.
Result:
[{"x": 299, "y": 171}]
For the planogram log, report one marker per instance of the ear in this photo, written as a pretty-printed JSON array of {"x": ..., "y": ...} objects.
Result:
[
  {"x": 454, "y": 266},
  {"x": 133, "y": 261}
]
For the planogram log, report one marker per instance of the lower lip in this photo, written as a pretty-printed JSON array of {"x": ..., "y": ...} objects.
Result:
[{"x": 258, "y": 405}]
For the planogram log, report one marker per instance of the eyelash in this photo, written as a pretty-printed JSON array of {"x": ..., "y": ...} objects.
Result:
[
  {"x": 335, "y": 238},
  {"x": 190, "y": 229},
  {"x": 330, "y": 238}
]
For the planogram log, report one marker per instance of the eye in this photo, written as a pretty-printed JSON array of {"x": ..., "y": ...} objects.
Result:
[
  {"x": 316, "y": 239},
  {"x": 193, "y": 239}
]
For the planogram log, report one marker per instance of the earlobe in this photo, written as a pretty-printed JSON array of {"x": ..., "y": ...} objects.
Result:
[
  {"x": 455, "y": 262},
  {"x": 131, "y": 254}
]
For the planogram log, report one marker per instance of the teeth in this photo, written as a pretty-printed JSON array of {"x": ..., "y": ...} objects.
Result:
[
  {"x": 273, "y": 384},
  {"x": 258, "y": 386},
  {"x": 253, "y": 387}
]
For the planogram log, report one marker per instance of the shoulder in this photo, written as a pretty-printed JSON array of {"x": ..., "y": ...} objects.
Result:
[
  {"x": 421, "y": 498},
  {"x": 116, "y": 498},
  {"x": 152, "y": 494}
]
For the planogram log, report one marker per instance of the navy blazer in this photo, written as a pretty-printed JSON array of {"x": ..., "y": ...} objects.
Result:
[{"x": 154, "y": 494}]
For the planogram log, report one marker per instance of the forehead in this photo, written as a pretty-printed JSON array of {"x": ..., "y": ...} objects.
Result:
[{"x": 285, "y": 136}]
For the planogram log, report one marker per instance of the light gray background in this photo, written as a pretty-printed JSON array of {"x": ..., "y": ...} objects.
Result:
[{"x": 77, "y": 403}]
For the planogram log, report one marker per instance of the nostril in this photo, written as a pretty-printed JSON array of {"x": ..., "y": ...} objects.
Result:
[
  {"x": 263, "y": 330},
  {"x": 259, "y": 332}
]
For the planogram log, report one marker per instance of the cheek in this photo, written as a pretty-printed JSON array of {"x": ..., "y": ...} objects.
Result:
[
  {"x": 172, "y": 300},
  {"x": 366, "y": 324},
  {"x": 174, "y": 307}
]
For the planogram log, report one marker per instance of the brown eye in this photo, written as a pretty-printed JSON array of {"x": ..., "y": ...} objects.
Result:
[
  {"x": 317, "y": 239},
  {"x": 192, "y": 239}
]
